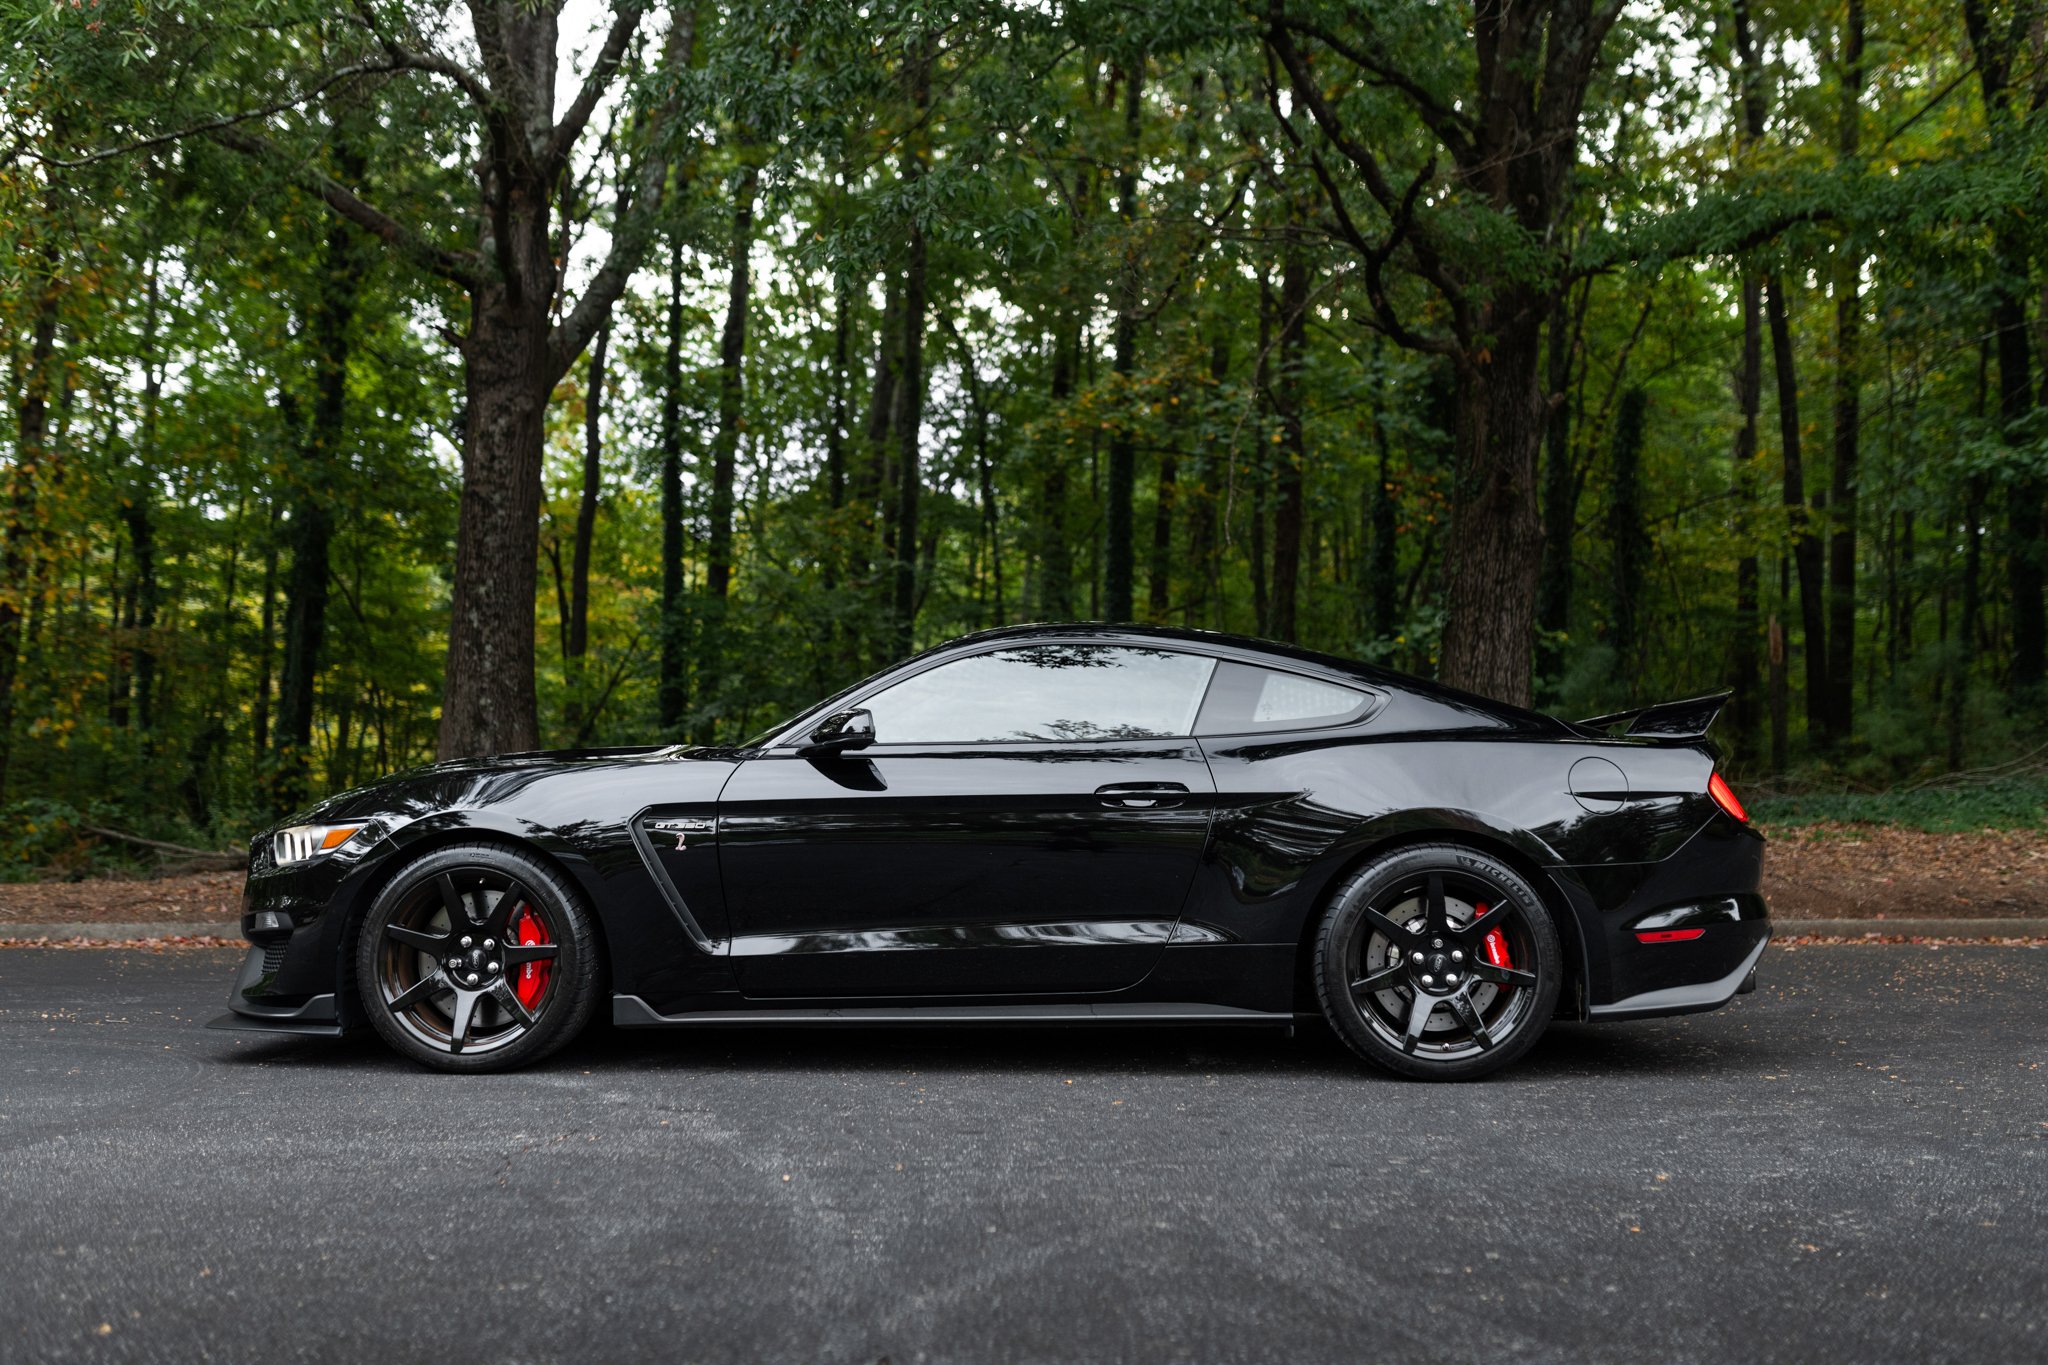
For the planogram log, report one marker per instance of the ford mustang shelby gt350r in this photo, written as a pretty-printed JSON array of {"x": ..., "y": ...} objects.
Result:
[{"x": 1042, "y": 824}]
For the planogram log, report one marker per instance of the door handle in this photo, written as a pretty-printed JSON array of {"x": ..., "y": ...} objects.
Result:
[{"x": 1142, "y": 795}]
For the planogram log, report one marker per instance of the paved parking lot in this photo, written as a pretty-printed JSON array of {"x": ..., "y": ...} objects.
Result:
[{"x": 1850, "y": 1164}]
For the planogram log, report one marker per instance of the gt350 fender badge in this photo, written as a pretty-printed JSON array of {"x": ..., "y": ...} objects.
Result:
[{"x": 681, "y": 827}]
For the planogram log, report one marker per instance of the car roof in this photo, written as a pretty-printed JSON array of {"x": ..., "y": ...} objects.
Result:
[{"x": 1271, "y": 650}]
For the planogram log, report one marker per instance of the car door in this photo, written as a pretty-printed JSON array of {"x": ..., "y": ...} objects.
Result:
[{"x": 1026, "y": 821}]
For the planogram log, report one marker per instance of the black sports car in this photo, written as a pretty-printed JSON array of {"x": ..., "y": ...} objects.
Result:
[{"x": 1036, "y": 825}]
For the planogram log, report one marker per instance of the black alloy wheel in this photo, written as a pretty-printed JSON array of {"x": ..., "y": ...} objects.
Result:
[
  {"x": 477, "y": 958},
  {"x": 1438, "y": 962}
]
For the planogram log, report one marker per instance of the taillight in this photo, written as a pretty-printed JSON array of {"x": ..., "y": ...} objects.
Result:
[
  {"x": 1670, "y": 935},
  {"x": 1724, "y": 797}
]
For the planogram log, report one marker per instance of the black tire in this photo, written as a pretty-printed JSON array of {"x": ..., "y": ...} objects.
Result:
[
  {"x": 1431, "y": 914},
  {"x": 477, "y": 958}
]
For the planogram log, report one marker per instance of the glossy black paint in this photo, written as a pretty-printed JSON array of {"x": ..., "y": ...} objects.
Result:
[
  {"x": 920, "y": 870},
  {"x": 1081, "y": 880}
]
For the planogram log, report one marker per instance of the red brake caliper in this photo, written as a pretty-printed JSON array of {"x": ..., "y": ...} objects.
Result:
[
  {"x": 1496, "y": 943},
  {"x": 533, "y": 976}
]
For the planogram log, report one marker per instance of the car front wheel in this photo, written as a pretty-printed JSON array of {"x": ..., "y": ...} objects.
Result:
[
  {"x": 477, "y": 958},
  {"x": 1438, "y": 962}
]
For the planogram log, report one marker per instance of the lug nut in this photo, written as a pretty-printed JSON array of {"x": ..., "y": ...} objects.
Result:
[
  {"x": 465, "y": 942},
  {"x": 1457, "y": 956},
  {"x": 472, "y": 978},
  {"x": 1452, "y": 978},
  {"x": 493, "y": 966},
  {"x": 1436, "y": 943},
  {"x": 1427, "y": 980},
  {"x": 489, "y": 944},
  {"x": 1415, "y": 957}
]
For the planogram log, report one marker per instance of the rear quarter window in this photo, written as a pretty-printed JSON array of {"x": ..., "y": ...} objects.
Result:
[{"x": 1246, "y": 699}]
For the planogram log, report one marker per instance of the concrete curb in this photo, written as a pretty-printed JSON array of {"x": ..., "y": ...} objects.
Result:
[
  {"x": 219, "y": 928},
  {"x": 1915, "y": 928}
]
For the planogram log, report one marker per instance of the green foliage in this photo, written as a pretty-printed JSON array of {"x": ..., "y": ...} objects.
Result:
[
  {"x": 187, "y": 270},
  {"x": 2014, "y": 803}
]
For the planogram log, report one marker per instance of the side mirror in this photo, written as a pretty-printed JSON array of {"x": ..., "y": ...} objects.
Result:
[{"x": 840, "y": 733}]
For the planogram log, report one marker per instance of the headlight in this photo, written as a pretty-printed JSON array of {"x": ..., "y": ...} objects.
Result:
[{"x": 301, "y": 842}]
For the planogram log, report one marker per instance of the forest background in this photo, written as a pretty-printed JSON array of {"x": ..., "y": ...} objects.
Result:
[{"x": 393, "y": 380}]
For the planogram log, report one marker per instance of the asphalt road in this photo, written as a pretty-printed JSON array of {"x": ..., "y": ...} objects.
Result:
[{"x": 1851, "y": 1164}]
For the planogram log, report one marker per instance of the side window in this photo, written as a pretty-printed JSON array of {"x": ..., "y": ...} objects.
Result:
[
  {"x": 1046, "y": 693},
  {"x": 1246, "y": 698}
]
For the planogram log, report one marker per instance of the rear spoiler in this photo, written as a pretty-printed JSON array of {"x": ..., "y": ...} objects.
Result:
[{"x": 1686, "y": 719}]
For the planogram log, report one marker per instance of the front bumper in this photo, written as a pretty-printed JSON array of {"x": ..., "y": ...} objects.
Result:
[
  {"x": 255, "y": 1007},
  {"x": 296, "y": 978}
]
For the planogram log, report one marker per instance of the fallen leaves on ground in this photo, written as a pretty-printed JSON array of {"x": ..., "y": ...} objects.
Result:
[
  {"x": 1834, "y": 871},
  {"x": 194, "y": 896},
  {"x": 147, "y": 945}
]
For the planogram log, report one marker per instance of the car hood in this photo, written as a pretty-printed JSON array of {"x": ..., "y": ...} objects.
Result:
[{"x": 466, "y": 783}]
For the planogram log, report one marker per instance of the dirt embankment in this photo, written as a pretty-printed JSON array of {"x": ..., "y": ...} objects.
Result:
[
  {"x": 110, "y": 900},
  {"x": 1810, "y": 872},
  {"x": 1877, "y": 872}
]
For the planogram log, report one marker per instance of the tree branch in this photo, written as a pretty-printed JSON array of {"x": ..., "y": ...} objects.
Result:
[
  {"x": 565, "y": 133},
  {"x": 459, "y": 267},
  {"x": 215, "y": 125},
  {"x": 1452, "y": 128},
  {"x": 640, "y": 204},
  {"x": 469, "y": 81}
]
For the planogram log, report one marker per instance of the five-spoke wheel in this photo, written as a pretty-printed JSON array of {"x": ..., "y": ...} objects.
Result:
[
  {"x": 1438, "y": 962},
  {"x": 476, "y": 957}
]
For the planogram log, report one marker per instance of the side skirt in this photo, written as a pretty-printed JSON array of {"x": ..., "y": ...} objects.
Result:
[{"x": 630, "y": 1011}]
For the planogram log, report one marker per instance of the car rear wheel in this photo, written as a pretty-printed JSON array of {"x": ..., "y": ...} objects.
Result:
[
  {"x": 1438, "y": 962},
  {"x": 477, "y": 958}
]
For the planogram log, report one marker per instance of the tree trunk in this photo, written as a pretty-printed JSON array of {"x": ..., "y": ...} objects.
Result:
[
  {"x": 673, "y": 694},
  {"x": 509, "y": 374},
  {"x": 1159, "y": 581},
  {"x": 1293, "y": 455},
  {"x": 868, "y": 476},
  {"x": 910, "y": 388},
  {"x": 2024, "y": 496},
  {"x": 1385, "y": 553},
  {"x": 1625, "y": 535},
  {"x": 1560, "y": 497},
  {"x": 22, "y": 516},
  {"x": 732, "y": 351},
  {"x": 140, "y": 517},
  {"x": 1055, "y": 552},
  {"x": 1963, "y": 653},
  {"x": 138, "y": 512},
  {"x": 909, "y": 432},
  {"x": 835, "y": 433},
  {"x": 1118, "y": 551},
  {"x": 1781, "y": 687},
  {"x": 1806, "y": 549},
  {"x": 259, "y": 705},
  {"x": 1512, "y": 137},
  {"x": 320, "y": 460},
  {"x": 576, "y": 622},
  {"x": 2026, "y": 557},
  {"x": 1496, "y": 546},
  {"x": 1749, "y": 402},
  {"x": 985, "y": 475},
  {"x": 1848, "y": 411},
  {"x": 1204, "y": 568},
  {"x": 1256, "y": 466},
  {"x": 586, "y": 507}
]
